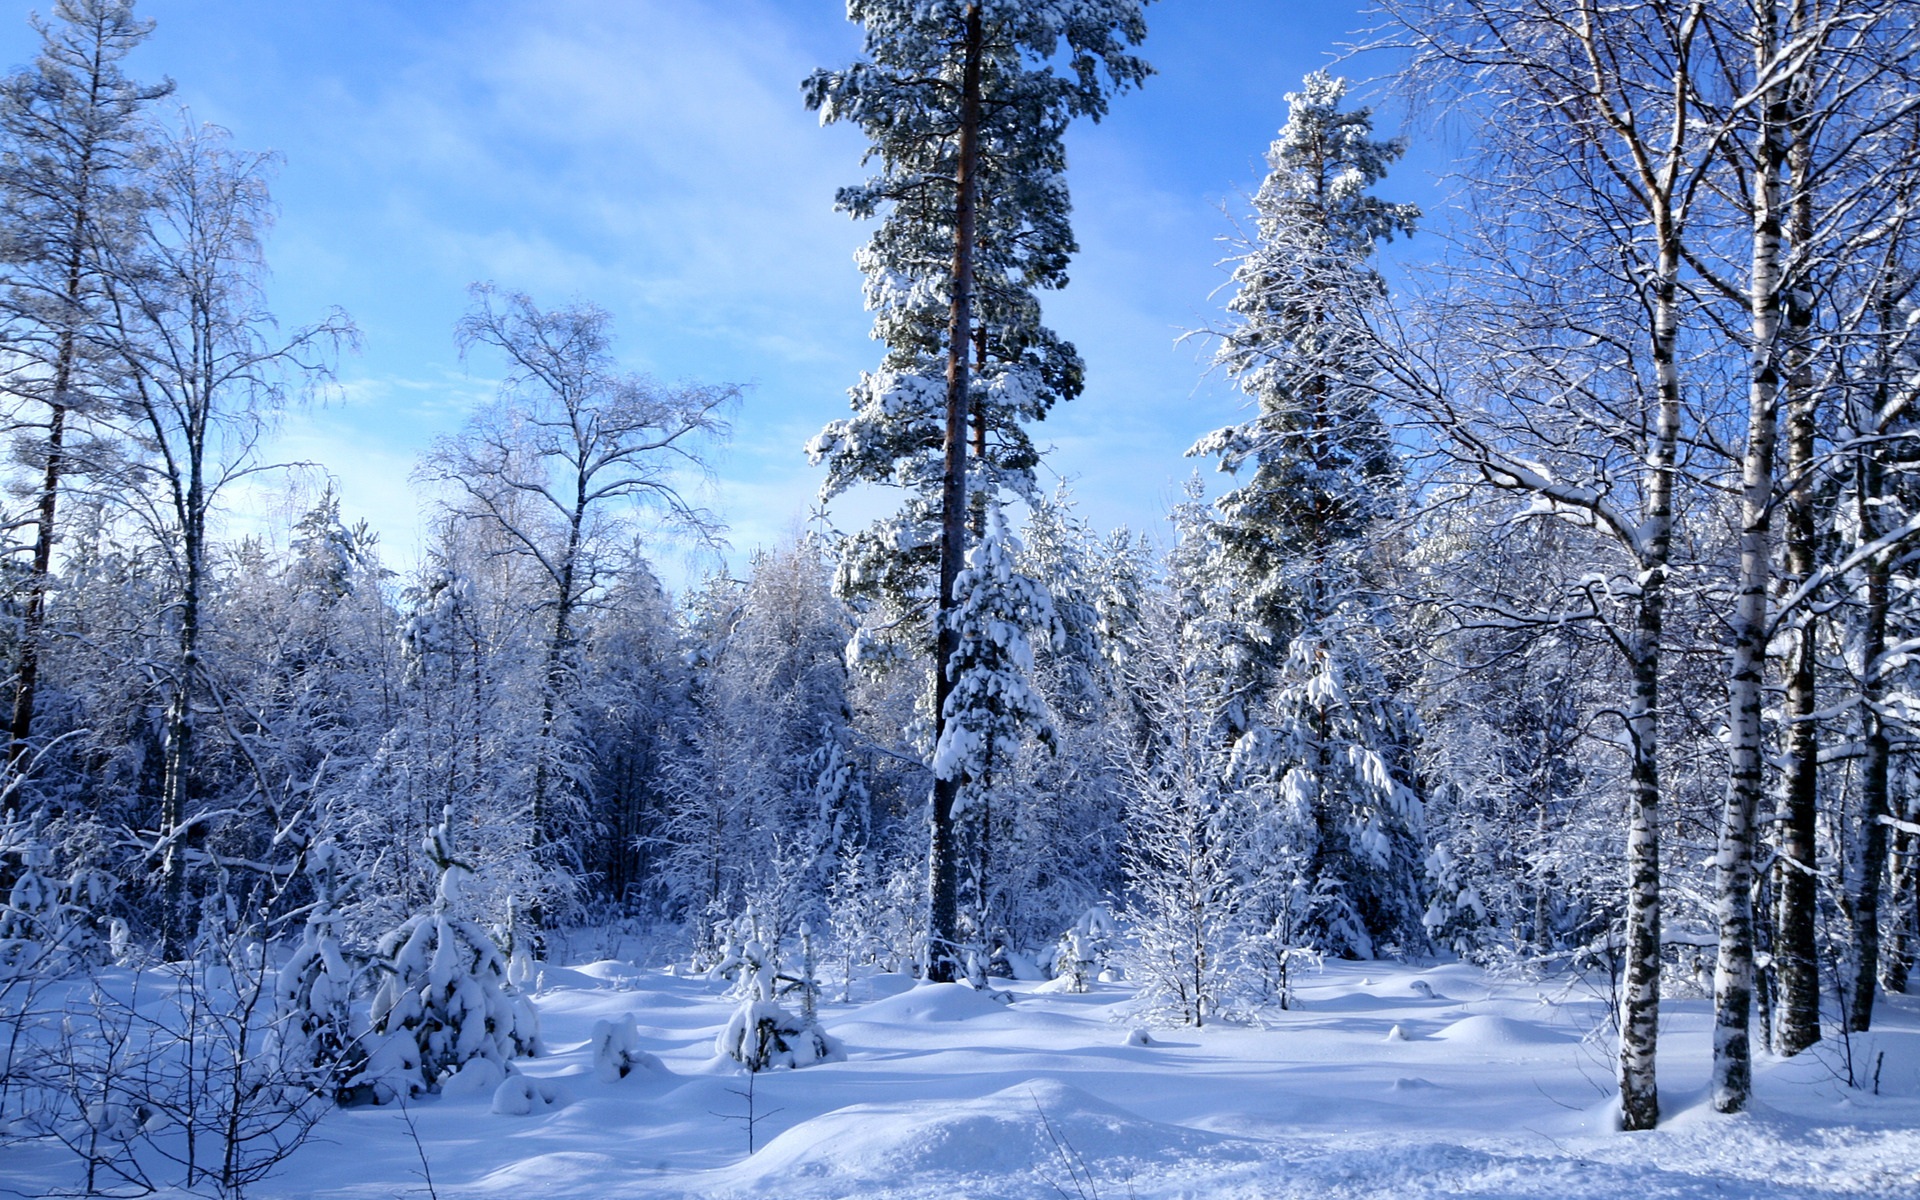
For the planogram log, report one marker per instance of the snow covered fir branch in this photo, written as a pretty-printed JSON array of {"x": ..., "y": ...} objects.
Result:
[{"x": 1501, "y": 776}]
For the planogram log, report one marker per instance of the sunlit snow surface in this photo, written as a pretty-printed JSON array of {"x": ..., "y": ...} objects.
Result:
[{"x": 1492, "y": 1087}]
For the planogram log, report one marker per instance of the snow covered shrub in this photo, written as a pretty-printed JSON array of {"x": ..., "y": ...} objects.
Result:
[
  {"x": 445, "y": 999},
  {"x": 1081, "y": 954},
  {"x": 519, "y": 1096},
  {"x": 168, "y": 1079},
  {"x": 616, "y": 1050},
  {"x": 763, "y": 1034},
  {"x": 314, "y": 992},
  {"x": 47, "y": 922}
]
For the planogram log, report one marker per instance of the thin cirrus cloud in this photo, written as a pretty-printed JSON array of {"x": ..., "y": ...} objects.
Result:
[{"x": 653, "y": 156}]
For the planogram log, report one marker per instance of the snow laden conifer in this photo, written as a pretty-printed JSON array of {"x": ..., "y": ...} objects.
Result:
[
  {"x": 965, "y": 112},
  {"x": 1333, "y": 850},
  {"x": 1322, "y": 467},
  {"x": 762, "y": 1033},
  {"x": 319, "y": 1045},
  {"x": 1324, "y": 748},
  {"x": 991, "y": 708},
  {"x": 993, "y": 701},
  {"x": 444, "y": 1004}
]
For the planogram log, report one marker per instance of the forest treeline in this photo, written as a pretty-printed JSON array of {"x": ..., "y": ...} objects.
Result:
[{"x": 1558, "y": 611}]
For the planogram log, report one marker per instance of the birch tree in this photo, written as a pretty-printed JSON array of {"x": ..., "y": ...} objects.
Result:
[
  {"x": 1600, "y": 162},
  {"x": 198, "y": 369},
  {"x": 574, "y": 446}
]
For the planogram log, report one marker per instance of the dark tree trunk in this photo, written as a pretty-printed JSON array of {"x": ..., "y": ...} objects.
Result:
[
  {"x": 942, "y": 864},
  {"x": 33, "y": 618},
  {"x": 552, "y": 684},
  {"x": 177, "y": 784}
]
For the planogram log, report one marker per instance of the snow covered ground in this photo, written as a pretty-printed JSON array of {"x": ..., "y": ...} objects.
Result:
[{"x": 1386, "y": 1081}]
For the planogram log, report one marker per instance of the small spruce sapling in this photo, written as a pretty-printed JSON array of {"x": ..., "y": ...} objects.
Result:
[
  {"x": 319, "y": 1045},
  {"x": 445, "y": 1002},
  {"x": 616, "y": 1050},
  {"x": 763, "y": 1034},
  {"x": 1081, "y": 954}
]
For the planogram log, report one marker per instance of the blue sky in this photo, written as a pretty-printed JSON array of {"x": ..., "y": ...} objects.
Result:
[{"x": 653, "y": 156}]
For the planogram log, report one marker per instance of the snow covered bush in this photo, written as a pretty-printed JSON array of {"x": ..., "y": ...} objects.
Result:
[
  {"x": 763, "y": 1034},
  {"x": 1081, "y": 954},
  {"x": 46, "y": 922},
  {"x": 519, "y": 1096},
  {"x": 616, "y": 1050},
  {"x": 314, "y": 991},
  {"x": 445, "y": 1000}
]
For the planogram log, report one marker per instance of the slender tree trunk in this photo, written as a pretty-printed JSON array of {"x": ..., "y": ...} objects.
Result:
[
  {"x": 942, "y": 864},
  {"x": 1640, "y": 986},
  {"x": 177, "y": 786},
  {"x": 1796, "y": 1023},
  {"x": 1876, "y": 802},
  {"x": 1864, "y": 897},
  {"x": 1733, "y": 975},
  {"x": 552, "y": 681},
  {"x": 33, "y": 617}
]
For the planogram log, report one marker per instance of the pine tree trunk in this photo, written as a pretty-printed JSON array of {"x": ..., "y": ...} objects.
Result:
[
  {"x": 943, "y": 965},
  {"x": 1733, "y": 977}
]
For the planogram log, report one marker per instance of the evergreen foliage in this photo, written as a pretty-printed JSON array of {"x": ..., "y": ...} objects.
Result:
[{"x": 443, "y": 1001}]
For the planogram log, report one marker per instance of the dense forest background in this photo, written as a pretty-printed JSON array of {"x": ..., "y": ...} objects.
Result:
[{"x": 1558, "y": 613}]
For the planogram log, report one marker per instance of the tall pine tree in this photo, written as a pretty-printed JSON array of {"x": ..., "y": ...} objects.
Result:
[{"x": 965, "y": 112}]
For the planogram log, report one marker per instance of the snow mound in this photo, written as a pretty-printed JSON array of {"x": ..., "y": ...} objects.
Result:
[
  {"x": 519, "y": 1096},
  {"x": 1486, "y": 1032},
  {"x": 1027, "y": 1128},
  {"x": 479, "y": 1077},
  {"x": 930, "y": 1003}
]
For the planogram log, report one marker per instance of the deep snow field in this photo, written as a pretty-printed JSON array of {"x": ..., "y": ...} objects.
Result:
[{"x": 1386, "y": 1081}]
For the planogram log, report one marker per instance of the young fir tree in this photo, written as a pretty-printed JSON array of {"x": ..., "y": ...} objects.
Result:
[
  {"x": 1292, "y": 537},
  {"x": 445, "y": 1001},
  {"x": 314, "y": 990},
  {"x": 992, "y": 702},
  {"x": 965, "y": 112}
]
